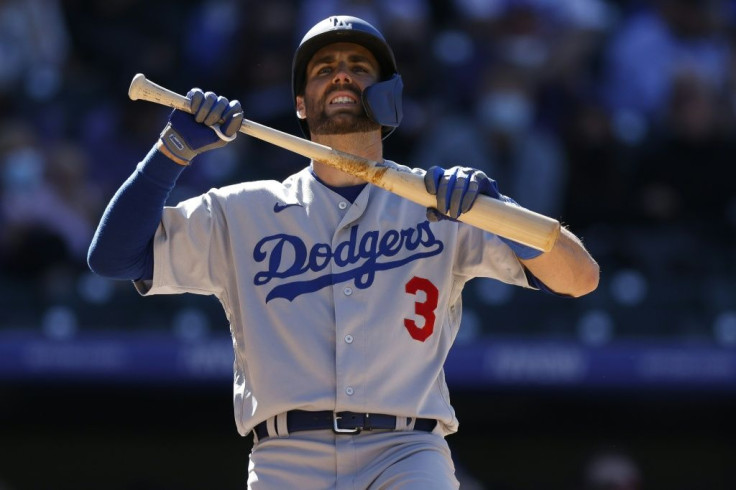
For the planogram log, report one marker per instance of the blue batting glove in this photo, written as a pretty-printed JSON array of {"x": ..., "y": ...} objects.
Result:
[
  {"x": 457, "y": 188},
  {"x": 188, "y": 135}
]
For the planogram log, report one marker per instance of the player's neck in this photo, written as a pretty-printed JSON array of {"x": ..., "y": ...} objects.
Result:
[{"x": 366, "y": 145}]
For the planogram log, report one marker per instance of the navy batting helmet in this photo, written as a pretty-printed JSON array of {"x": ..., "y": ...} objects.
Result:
[{"x": 382, "y": 100}]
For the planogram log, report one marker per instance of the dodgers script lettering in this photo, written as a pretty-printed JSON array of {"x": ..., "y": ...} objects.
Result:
[{"x": 288, "y": 257}]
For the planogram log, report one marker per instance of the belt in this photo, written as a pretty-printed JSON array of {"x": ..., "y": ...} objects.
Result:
[{"x": 341, "y": 422}]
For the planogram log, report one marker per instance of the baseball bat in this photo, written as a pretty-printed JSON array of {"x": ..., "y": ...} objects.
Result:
[{"x": 507, "y": 220}]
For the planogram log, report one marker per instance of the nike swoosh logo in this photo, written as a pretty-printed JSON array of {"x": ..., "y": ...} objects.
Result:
[{"x": 278, "y": 207}]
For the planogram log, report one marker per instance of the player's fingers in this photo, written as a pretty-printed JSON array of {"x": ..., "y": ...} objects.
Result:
[
  {"x": 442, "y": 185},
  {"x": 196, "y": 97},
  {"x": 232, "y": 118},
  {"x": 432, "y": 178},
  {"x": 214, "y": 116},
  {"x": 459, "y": 191},
  {"x": 444, "y": 189},
  {"x": 209, "y": 101},
  {"x": 232, "y": 109},
  {"x": 487, "y": 186},
  {"x": 474, "y": 183},
  {"x": 434, "y": 216}
]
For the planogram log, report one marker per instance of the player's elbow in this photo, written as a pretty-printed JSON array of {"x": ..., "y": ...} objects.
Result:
[
  {"x": 575, "y": 282},
  {"x": 102, "y": 263},
  {"x": 99, "y": 263},
  {"x": 586, "y": 280}
]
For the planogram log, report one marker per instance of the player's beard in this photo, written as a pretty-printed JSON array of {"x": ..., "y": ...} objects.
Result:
[{"x": 343, "y": 122}]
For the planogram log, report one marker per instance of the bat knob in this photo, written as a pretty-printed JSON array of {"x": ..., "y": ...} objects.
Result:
[{"x": 135, "y": 85}]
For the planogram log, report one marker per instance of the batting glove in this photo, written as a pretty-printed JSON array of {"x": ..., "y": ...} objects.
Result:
[
  {"x": 457, "y": 188},
  {"x": 213, "y": 123}
]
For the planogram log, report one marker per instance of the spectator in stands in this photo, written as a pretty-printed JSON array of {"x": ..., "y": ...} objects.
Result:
[
  {"x": 46, "y": 206},
  {"x": 679, "y": 176},
  {"x": 500, "y": 138},
  {"x": 600, "y": 167},
  {"x": 649, "y": 48},
  {"x": 34, "y": 45}
]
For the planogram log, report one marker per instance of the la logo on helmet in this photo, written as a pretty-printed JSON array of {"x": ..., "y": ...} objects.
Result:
[{"x": 338, "y": 22}]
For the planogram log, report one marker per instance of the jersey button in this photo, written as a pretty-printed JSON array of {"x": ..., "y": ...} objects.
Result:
[
  {"x": 348, "y": 339},
  {"x": 348, "y": 291},
  {"x": 349, "y": 390},
  {"x": 342, "y": 205}
]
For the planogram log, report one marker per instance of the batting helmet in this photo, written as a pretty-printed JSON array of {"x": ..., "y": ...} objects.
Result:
[{"x": 382, "y": 100}]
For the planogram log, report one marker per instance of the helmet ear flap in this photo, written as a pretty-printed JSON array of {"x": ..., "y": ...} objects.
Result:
[{"x": 382, "y": 102}]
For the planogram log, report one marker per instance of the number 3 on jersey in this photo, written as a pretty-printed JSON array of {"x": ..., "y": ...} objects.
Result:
[{"x": 425, "y": 308}]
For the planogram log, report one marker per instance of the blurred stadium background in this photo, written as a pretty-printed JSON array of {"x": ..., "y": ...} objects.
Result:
[{"x": 615, "y": 116}]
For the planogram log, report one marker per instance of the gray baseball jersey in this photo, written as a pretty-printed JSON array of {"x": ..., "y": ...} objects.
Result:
[{"x": 332, "y": 305}]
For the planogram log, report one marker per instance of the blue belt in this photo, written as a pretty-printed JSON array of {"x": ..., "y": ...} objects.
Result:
[{"x": 341, "y": 422}]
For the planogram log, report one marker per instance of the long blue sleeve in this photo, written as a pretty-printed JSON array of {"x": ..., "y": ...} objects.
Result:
[{"x": 122, "y": 247}]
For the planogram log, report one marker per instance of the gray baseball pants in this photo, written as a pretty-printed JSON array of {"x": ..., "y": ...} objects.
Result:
[{"x": 370, "y": 460}]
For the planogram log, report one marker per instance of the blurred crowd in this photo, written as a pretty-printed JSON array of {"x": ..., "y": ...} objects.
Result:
[{"x": 614, "y": 116}]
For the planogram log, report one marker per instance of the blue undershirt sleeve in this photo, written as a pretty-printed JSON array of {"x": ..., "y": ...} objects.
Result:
[
  {"x": 537, "y": 284},
  {"x": 122, "y": 247}
]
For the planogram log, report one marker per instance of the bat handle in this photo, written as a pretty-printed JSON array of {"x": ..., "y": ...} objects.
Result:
[{"x": 144, "y": 89}]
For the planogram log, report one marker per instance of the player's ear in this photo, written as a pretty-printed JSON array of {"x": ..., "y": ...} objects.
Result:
[{"x": 301, "y": 110}]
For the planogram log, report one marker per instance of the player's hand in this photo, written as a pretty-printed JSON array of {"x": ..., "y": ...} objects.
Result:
[
  {"x": 214, "y": 122},
  {"x": 457, "y": 189}
]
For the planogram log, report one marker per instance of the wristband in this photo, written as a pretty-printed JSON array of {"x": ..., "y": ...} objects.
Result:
[{"x": 176, "y": 146}]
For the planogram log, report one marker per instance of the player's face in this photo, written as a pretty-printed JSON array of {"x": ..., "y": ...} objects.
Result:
[{"x": 336, "y": 76}]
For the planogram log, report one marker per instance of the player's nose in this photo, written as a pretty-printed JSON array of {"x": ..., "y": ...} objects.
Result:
[{"x": 342, "y": 74}]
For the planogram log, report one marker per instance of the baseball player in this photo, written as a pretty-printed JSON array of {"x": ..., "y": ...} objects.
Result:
[{"x": 343, "y": 299}]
